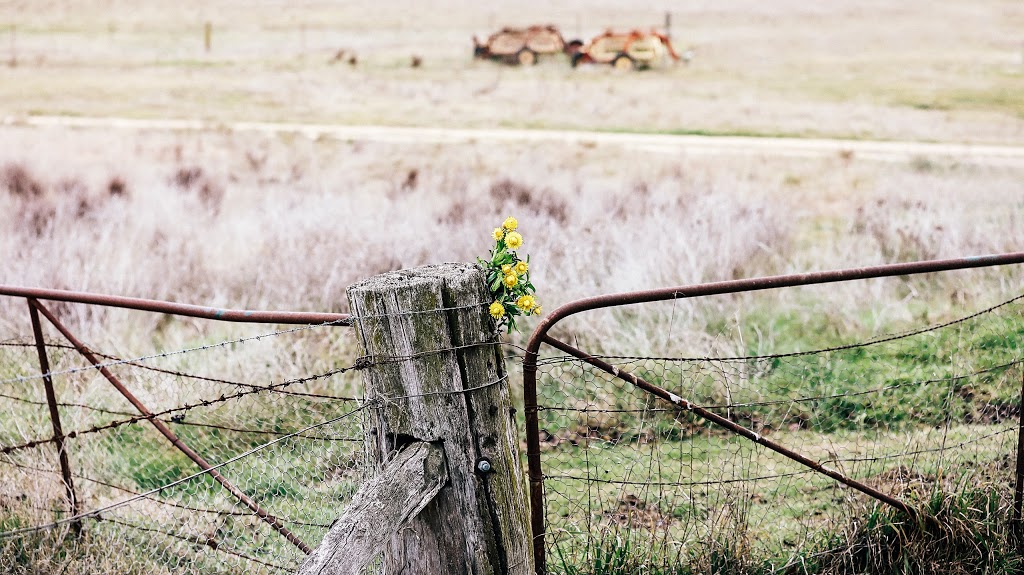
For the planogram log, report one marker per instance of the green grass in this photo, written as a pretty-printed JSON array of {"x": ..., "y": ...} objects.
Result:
[
  {"x": 636, "y": 487},
  {"x": 965, "y": 372},
  {"x": 957, "y": 530}
]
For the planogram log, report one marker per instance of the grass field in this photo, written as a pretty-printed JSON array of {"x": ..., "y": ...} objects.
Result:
[
  {"x": 264, "y": 221},
  {"x": 287, "y": 223},
  {"x": 947, "y": 72}
]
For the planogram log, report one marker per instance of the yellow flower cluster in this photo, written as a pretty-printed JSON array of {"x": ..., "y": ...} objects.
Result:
[{"x": 508, "y": 277}]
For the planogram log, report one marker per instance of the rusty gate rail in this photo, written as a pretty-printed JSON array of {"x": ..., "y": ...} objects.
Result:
[
  {"x": 540, "y": 336},
  {"x": 174, "y": 308}
]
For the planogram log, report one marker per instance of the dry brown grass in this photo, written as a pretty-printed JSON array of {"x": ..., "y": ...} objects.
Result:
[
  {"x": 299, "y": 220},
  {"x": 288, "y": 223}
]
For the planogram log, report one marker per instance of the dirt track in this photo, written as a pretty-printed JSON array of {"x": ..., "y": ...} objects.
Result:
[{"x": 886, "y": 151}]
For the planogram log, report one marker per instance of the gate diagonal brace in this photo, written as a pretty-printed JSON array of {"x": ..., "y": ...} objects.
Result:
[
  {"x": 274, "y": 522},
  {"x": 728, "y": 424}
]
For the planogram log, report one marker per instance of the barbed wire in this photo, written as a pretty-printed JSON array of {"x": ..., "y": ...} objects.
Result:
[
  {"x": 219, "y": 512},
  {"x": 259, "y": 431},
  {"x": 208, "y": 542},
  {"x": 122, "y": 503},
  {"x": 361, "y": 363},
  {"x": 246, "y": 339},
  {"x": 355, "y": 318},
  {"x": 727, "y": 464},
  {"x": 63, "y": 404},
  {"x": 277, "y": 469},
  {"x": 592, "y": 479},
  {"x": 23, "y": 344},
  {"x": 805, "y": 399},
  {"x": 369, "y": 404},
  {"x": 384, "y": 359},
  {"x": 950, "y": 447},
  {"x": 844, "y": 347},
  {"x": 185, "y": 408},
  {"x": 187, "y": 375}
]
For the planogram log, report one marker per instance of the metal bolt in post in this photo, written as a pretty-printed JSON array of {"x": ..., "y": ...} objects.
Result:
[{"x": 484, "y": 466}]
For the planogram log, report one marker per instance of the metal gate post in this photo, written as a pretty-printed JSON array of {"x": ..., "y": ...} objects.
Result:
[
  {"x": 1018, "y": 487},
  {"x": 51, "y": 402}
]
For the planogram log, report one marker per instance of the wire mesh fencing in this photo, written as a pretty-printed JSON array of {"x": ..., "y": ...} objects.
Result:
[
  {"x": 283, "y": 454},
  {"x": 216, "y": 459},
  {"x": 224, "y": 457},
  {"x": 909, "y": 414}
]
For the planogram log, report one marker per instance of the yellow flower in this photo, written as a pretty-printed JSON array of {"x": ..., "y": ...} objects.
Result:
[
  {"x": 525, "y": 303},
  {"x": 521, "y": 268},
  {"x": 511, "y": 280},
  {"x": 498, "y": 234},
  {"x": 510, "y": 223},
  {"x": 497, "y": 310},
  {"x": 506, "y": 269},
  {"x": 536, "y": 310},
  {"x": 513, "y": 240}
]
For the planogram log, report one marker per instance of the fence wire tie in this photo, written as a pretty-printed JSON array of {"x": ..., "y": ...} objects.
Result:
[
  {"x": 393, "y": 400},
  {"x": 371, "y": 360}
]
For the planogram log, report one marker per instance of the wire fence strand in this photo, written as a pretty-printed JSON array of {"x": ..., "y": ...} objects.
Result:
[{"x": 921, "y": 410}]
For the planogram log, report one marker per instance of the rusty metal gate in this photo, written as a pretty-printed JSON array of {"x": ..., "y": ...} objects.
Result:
[
  {"x": 150, "y": 463},
  {"x": 684, "y": 450}
]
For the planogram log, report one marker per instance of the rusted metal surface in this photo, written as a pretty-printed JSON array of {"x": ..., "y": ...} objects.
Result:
[
  {"x": 626, "y": 50},
  {"x": 274, "y": 522},
  {"x": 51, "y": 403},
  {"x": 1018, "y": 485},
  {"x": 540, "y": 336},
  {"x": 520, "y": 45},
  {"x": 173, "y": 308},
  {"x": 726, "y": 423}
]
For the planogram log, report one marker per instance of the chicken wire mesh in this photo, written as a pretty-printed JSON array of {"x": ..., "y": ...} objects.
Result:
[
  {"x": 291, "y": 443},
  {"x": 936, "y": 407}
]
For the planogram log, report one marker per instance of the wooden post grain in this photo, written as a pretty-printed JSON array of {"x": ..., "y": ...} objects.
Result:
[
  {"x": 378, "y": 510},
  {"x": 437, "y": 375}
]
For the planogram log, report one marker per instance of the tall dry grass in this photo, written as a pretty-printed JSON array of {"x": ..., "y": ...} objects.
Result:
[{"x": 287, "y": 223}]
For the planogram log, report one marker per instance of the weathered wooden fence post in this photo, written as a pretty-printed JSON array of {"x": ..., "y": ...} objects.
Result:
[{"x": 437, "y": 376}]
